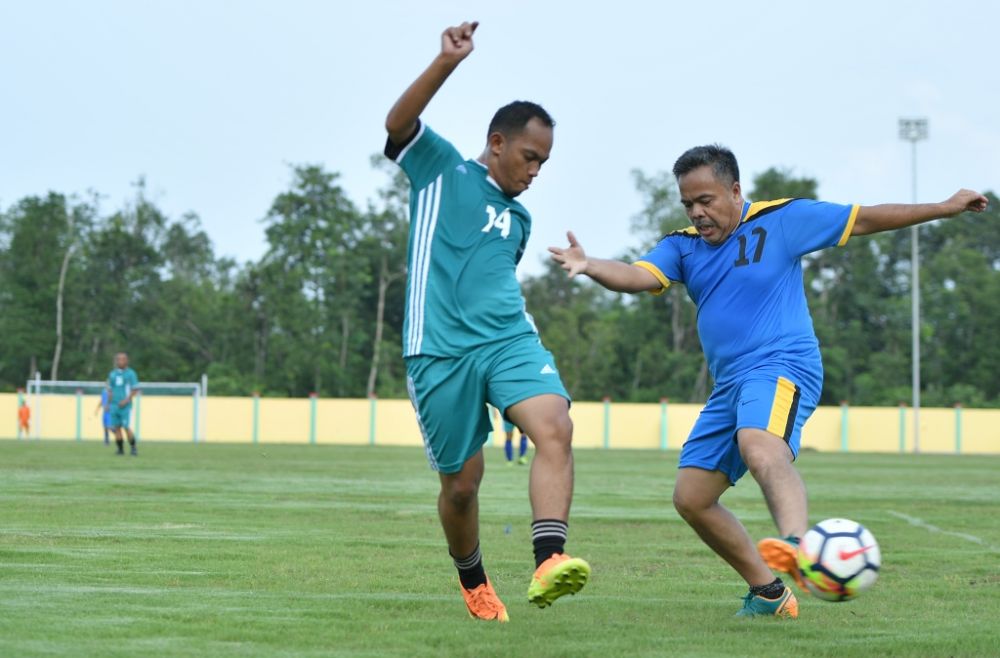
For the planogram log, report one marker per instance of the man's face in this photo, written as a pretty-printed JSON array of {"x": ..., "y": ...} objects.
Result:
[
  {"x": 713, "y": 206},
  {"x": 121, "y": 360},
  {"x": 518, "y": 158}
]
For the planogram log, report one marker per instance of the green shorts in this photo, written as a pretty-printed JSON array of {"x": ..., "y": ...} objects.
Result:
[
  {"x": 120, "y": 415},
  {"x": 449, "y": 394}
]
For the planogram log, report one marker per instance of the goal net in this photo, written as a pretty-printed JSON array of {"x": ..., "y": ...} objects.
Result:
[{"x": 160, "y": 411}]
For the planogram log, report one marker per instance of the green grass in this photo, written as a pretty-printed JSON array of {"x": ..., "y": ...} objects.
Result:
[{"x": 200, "y": 550}]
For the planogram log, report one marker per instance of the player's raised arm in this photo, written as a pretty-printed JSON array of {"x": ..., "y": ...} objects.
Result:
[
  {"x": 612, "y": 274},
  {"x": 891, "y": 216},
  {"x": 456, "y": 44}
]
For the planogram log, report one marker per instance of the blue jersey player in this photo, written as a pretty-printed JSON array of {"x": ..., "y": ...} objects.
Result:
[
  {"x": 104, "y": 408},
  {"x": 508, "y": 445},
  {"x": 741, "y": 265},
  {"x": 467, "y": 339}
]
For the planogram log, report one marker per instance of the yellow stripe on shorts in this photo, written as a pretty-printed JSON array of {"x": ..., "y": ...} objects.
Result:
[{"x": 784, "y": 409}]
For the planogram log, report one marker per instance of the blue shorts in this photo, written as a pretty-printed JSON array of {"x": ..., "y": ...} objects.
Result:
[
  {"x": 107, "y": 420},
  {"x": 449, "y": 394},
  {"x": 120, "y": 415},
  {"x": 773, "y": 399}
]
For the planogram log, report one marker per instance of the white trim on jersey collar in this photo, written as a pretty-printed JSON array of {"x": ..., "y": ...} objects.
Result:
[{"x": 488, "y": 177}]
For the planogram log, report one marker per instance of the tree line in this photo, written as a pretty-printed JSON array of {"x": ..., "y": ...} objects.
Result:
[{"x": 322, "y": 310}]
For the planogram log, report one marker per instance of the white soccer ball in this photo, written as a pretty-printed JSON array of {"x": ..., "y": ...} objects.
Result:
[{"x": 839, "y": 559}]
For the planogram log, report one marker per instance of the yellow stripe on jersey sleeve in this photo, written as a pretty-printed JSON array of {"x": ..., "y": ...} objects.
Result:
[
  {"x": 846, "y": 235},
  {"x": 655, "y": 271}
]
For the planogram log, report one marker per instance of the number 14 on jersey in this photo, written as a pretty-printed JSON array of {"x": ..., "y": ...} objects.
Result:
[{"x": 495, "y": 221}]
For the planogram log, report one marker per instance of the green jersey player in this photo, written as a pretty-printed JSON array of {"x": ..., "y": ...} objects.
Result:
[
  {"x": 123, "y": 385},
  {"x": 467, "y": 339}
]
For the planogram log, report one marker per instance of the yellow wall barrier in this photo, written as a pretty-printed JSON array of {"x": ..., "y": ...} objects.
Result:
[{"x": 392, "y": 422}]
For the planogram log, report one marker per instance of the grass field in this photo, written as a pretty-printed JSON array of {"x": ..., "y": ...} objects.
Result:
[{"x": 199, "y": 550}]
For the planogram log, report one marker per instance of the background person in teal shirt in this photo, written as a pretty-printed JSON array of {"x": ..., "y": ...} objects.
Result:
[{"x": 123, "y": 384}]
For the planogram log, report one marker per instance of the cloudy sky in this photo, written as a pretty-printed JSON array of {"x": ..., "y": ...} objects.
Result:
[{"x": 212, "y": 101}]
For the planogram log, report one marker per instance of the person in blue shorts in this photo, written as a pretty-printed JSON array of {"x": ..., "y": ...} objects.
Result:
[
  {"x": 508, "y": 445},
  {"x": 741, "y": 265},
  {"x": 467, "y": 339},
  {"x": 123, "y": 385},
  {"x": 104, "y": 408}
]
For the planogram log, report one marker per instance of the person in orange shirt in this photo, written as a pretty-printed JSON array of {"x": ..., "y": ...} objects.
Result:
[{"x": 23, "y": 419}]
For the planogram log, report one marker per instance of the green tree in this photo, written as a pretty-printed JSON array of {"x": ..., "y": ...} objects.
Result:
[
  {"x": 38, "y": 274},
  {"x": 960, "y": 286},
  {"x": 386, "y": 228},
  {"x": 313, "y": 280}
]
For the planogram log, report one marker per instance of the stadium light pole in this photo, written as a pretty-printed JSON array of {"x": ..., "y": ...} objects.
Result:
[{"x": 914, "y": 130}]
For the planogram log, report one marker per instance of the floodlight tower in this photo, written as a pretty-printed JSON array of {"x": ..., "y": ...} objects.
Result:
[{"x": 914, "y": 130}]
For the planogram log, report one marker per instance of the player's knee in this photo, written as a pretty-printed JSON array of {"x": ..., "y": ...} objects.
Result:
[
  {"x": 683, "y": 505},
  {"x": 690, "y": 504},
  {"x": 761, "y": 456},
  {"x": 460, "y": 492},
  {"x": 556, "y": 432}
]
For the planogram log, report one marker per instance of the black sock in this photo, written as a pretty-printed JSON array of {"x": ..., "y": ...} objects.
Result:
[
  {"x": 548, "y": 537},
  {"x": 470, "y": 569},
  {"x": 120, "y": 444},
  {"x": 770, "y": 591},
  {"x": 131, "y": 441}
]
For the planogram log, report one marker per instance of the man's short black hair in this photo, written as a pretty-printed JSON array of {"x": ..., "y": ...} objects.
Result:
[
  {"x": 718, "y": 157},
  {"x": 513, "y": 117}
]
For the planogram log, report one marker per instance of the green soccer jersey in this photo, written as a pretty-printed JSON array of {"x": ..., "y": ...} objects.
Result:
[
  {"x": 466, "y": 239},
  {"x": 122, "y": 383}
]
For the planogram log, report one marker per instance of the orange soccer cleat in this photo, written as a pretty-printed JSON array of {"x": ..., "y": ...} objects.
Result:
[
  {"x": 782, "y": 555},
  {"x": 483, "y": 603}
]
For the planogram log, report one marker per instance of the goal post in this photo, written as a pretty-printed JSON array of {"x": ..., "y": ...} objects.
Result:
[{"x": 65, "y": 409}]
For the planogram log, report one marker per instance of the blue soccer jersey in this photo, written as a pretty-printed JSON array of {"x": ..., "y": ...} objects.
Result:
[
  {"x": 466, "y": 239},
  {"x": 106, "y": 407},
  {"x": 749, "y": 291}
]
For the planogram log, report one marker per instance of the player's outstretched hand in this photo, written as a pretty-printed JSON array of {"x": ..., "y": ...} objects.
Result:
[
  {"x": 966, "y": 200},
  {"x": 572, "y": 259},
  {"x": 456, "y": 42}
]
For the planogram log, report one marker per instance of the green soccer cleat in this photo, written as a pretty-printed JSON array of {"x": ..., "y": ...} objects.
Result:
[
  {"x": 785, "y": 606},
  {"x": 558, "y": 576},
  {"x": 522, "y": 460}
]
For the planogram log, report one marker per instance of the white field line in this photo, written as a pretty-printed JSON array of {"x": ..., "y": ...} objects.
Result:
[
  {"x": 920, "y": 523},
  {"x": 243, "y": 595}
]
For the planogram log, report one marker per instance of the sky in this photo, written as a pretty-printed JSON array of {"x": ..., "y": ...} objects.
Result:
[{"x": 213, "y": 101}]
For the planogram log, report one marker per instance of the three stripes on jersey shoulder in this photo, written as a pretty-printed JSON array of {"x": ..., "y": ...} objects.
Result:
[{"x": 428, "y": 204}]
